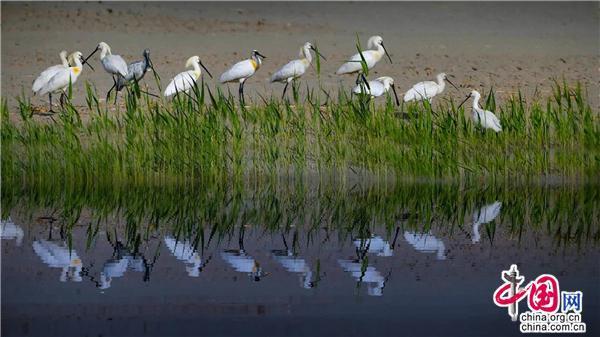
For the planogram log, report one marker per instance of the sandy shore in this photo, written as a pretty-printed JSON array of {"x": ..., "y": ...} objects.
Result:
[{"x": 507, "y": 46}]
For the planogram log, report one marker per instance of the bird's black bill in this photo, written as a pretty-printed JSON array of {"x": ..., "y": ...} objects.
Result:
[
  {"x": 203, "y": 67},
  {"x": 463, "y": 102},
  {"x": 90, "y": 55},
  {"x": 452, "y": 84},
  {"x": 87, "y": 64},
  {"x": 395, "y": 95},
  {"x": 318, "y": 54},
  {"x": 386, "y": 53},
  {"x": 261, "y": 55}
]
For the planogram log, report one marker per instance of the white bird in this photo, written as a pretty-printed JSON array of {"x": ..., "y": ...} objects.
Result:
[
  {"x": 60, "y": 256},
  {"x": 426, "y": 90},
  {"x": 113, "y": 64},
  {"x": 484, "y": 118},
  {"x": 49, "y": 72},
  {"x": 60, "y": 80},
  {"x": 294, "y": 264},
  {"x": 186, "y": 80},
  {"x": 185, "y": 252},
  {"x": 296, "y": 68},
  {"x": 242, "y": 71},
  {"x": 372, "y": 56},
  {"x": 484, "y": 215},
  {"x": 426, "y": 243},
  {"x": 375, "y": 281},
  {"x": 9, "y": 230},
  {"x": 377, "y": 87}
]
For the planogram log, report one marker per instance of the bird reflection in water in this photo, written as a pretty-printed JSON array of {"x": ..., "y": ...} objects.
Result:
[
  {"x": 242, "y": 262},
  {"x": 9, "y": 230},
  {"x": 186, "y": 252},
  {"x": 484, "y": 215},
  {"x": 290, "y": 261}
]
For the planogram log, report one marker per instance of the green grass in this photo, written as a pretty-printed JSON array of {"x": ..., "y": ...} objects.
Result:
[
  {"x": 205, "y": 136},
  {"x": 566, "y": 215}
]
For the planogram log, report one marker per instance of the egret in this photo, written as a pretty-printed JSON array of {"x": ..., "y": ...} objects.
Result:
[
  {"x": 377, "y": 87},
  {"x": 426, "y": 90},
  {"x": 61, "y": 79},
  {"x": 47, "y": 74},
  {"x": 135, "y": 72},
  {"x": 354, "y": 65},
  {"x": 426, "y": 243},
  {"x": 296, "y": 68},
  {"x": 113, "y": 64},
  {"x": 484, "y": 215},
  {"x": 186, "y": 80},
  {"x": 485, "y": 118},
  {"x": 242, "y": 71}
]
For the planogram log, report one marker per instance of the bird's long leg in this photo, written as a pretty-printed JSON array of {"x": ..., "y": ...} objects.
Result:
[
  {"x": 284, "y": 89},
  {"x": 50, "y": 97},
  {"x": 111, "y": 88},
  {"x": 61, "y": 100},
  {"x": 242, "y": 100}
]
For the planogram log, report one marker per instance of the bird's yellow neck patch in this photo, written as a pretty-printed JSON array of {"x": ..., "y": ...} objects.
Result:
[
  {"x": 76, "y": 70},
  {"x": 255, "y": 65}
]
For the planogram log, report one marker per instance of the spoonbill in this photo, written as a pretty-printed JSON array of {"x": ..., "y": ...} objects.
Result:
[
  {"x": 484, "y": 215},
  {"x": 113, "y": 64},
  {"x": 377, "y": 87},
  {"x": 47, "y": 74},
  {"x": 242, "y": 71},
  {"x": 296, "y": 68},
  {"x": 135, "y": 72},
  {"x": 485, "y": 118},
  {"x": 426, "y": 90},
  {"x": 60, "y": 80},
  {"x": 371, "y": 58},
  {"x": 186, "y": 80}
]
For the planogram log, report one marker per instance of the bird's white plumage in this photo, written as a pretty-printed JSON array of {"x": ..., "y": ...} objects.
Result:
[
  {"x": 186, "y": 80},
  {"x": 239, "y": 71},
  {"x": 114, "y": 64},
  {"x": 181, "y": 83},
  {"x": 484, "y": 118},
  {"x": 371, "y": 57},
  {"x": 426, "y": 90},
  {"x": 60, "y": 80},
  {"x": 47, "y": 74},
  {"x": 377, "y": 87},
  {"x": 295, "y": 68},
  {"x": 290, "y": 71}
]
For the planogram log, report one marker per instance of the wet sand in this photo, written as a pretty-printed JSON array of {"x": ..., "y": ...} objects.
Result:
[{"x": 501, "y": 45}]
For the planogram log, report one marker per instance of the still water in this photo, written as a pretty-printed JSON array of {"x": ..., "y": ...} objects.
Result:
[{"x": 307, "y": 261}]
